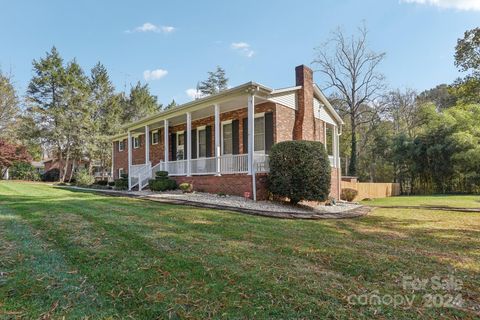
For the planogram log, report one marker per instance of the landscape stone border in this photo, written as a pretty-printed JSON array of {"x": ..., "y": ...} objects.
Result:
[{"x": 349, "y": 214}]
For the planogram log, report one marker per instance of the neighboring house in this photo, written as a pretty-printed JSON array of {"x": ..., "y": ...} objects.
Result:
[
  {"x": 54, "y": 163},
  {"x": 217, "y": 143},
  {"x": 38, "y": 166}
]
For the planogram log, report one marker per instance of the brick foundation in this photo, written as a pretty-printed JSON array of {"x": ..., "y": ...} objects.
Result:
[{"x": 232, "y": 184}]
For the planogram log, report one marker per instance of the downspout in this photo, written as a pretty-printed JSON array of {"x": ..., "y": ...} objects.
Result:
[
  {"x": 254, "y": 181},
  {"x": 340, "y": 164}
]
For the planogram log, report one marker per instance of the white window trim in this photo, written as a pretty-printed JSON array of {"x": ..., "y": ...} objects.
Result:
[
  {"x": 221, "y": 135},
  {"x": 177, "y": 145},
  {"x": 151, "y": 136},
  {"x": 135, "y": 146},
  {"x": 121, "y": 143},
  {"x": 260, "y": 115},
  {"x": 120, "y": 172},
  {"x": 202, "y": 128}
]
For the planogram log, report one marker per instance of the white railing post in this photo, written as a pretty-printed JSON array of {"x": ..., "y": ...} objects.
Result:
[
  {"x": 165, "y": 143},
  {"x": 251, "y": 123},
  {"x": 129, "y": 148},
  {"x": 147, "y": 144},
  {"x": 217, "y": 140},
  {"x": 189, "y": 144}
]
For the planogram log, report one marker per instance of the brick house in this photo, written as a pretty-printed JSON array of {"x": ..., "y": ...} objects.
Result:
[{"x": 220, "y": 143}]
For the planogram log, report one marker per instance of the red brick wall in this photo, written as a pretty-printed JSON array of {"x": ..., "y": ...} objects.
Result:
[
  {"x": 120, "y": 158},
  {"x": 231, "y": 184},
  {"x": 335, "y": 191},
  {"x": 284, "y": 124},
  {"x": 304, "y": 121}
]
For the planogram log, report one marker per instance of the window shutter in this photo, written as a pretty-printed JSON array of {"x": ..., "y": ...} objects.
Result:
[
  {"x": 235, "y": 133},
  {"x": 245, "y": 135},
  {"x": 194, "y": 143},
  {"x": 185, "y": 144},
  {"x": 268, "y": 131},
  {"x": 208, "y": 133},
  {"x": 173, "y": 146}
]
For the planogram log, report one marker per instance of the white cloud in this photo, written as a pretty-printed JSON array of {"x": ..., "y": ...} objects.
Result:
[
  {"x": 244, "y": 48},
  {"x": 194, "y": 93},
  {"x": 449, "y": 4},
  {"x": 150, "y": 27},
  {"x": 154, "y": 74}
]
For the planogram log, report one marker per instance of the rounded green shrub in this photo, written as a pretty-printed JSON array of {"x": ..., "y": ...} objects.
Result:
[
  {"x": 121, "y": 184},
  {"x": 299, "y": 170},
  {"x": 162, "y": 184},
  {"x": 24, "y": 171},
  {"x": 161, "y": 174},
  {"x": 186, "y": 187},
  {"x": 84, "y": 178}
]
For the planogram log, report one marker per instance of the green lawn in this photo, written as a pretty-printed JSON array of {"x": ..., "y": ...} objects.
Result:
[
  {"x": 76, "y": 254},
  {"x": 464, "y": 201}
]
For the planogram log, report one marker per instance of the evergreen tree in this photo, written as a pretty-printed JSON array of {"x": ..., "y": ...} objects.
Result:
[
  {"x": 171, "y": 105},
  {"x": 140, "y": 103},
  {"x": 215, "y": 83}
]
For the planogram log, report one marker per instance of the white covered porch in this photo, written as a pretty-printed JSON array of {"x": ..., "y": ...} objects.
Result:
[{"x": 220, "y": 160}]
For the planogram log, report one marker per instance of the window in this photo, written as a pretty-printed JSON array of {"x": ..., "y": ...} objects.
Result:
[
  {"x": 180, "y": 146},
  {"x": 121, "y": 145},
  {"x": 227, "y": 137},
  {"x": 259, "y": 134},
  {"x": 329, "y": 139},
  {"x": 136, "y": 142},
  {"x": 202, "y": 143},
  {"x": 120, "y": 172},
  {"x": 155, "y": 137}
]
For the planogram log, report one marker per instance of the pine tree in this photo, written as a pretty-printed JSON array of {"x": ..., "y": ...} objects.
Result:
[
  {"x": 171, "y": 105},
  {"x": 215, "y": 83},
  {"x": 140, "y": 103}
]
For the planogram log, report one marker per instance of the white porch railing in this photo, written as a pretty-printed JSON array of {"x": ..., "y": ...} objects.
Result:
[
  {"x": 177, "y": 168},
  {"x": 203, "y": 165},
  {"x": 229, "y": 164},
  {"x": 140, "y": 174},
  {"x": 261, "y": 163},
  {"x": 332, "y": 161},
  {"x": 234, "y": 163}
]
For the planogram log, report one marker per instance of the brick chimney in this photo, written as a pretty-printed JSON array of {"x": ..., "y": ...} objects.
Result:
[{"x": 304, "y": 118}]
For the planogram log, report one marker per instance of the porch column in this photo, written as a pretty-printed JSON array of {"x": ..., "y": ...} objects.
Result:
[
  {"x": 334, "y": 146},
  {"x": 251, "y": 130},
  {"x": 147, "y": 144},
  {"x": 165, "y": 143},
  {"x": 113, "y": 159},
  {"x": 129, "y": 143},
  {"x": 217, "y": 140},
  {"x": 189, "y": 144}
]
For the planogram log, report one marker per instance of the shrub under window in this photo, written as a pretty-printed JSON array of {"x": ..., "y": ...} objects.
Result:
[{"x": 299, "y": 170}]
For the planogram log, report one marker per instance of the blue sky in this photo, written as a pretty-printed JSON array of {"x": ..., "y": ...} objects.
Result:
[{"x": 172, "y": 44}]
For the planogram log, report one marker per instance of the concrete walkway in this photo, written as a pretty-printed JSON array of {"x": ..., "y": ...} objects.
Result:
[{"x": 291, "y": 214}]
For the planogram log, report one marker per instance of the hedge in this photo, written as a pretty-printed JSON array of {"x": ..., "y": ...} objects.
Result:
[{"x": 299, "y": 170}]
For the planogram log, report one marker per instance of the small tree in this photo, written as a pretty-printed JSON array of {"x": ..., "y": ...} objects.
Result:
[
  {"x": 299, "y": 170},
  {"x": 10, "y": 153}
]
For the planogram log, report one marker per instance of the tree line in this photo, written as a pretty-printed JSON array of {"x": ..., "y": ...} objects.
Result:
[
  {"x": 429, "y": 142},
  {"x": 71, "y": 115}
]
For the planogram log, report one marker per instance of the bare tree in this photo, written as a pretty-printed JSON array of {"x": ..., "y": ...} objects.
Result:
[
  {"x": 403, "y": 109},
  {"x": 350, "y": 69},
  {"x": 8, "y": 104}
]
